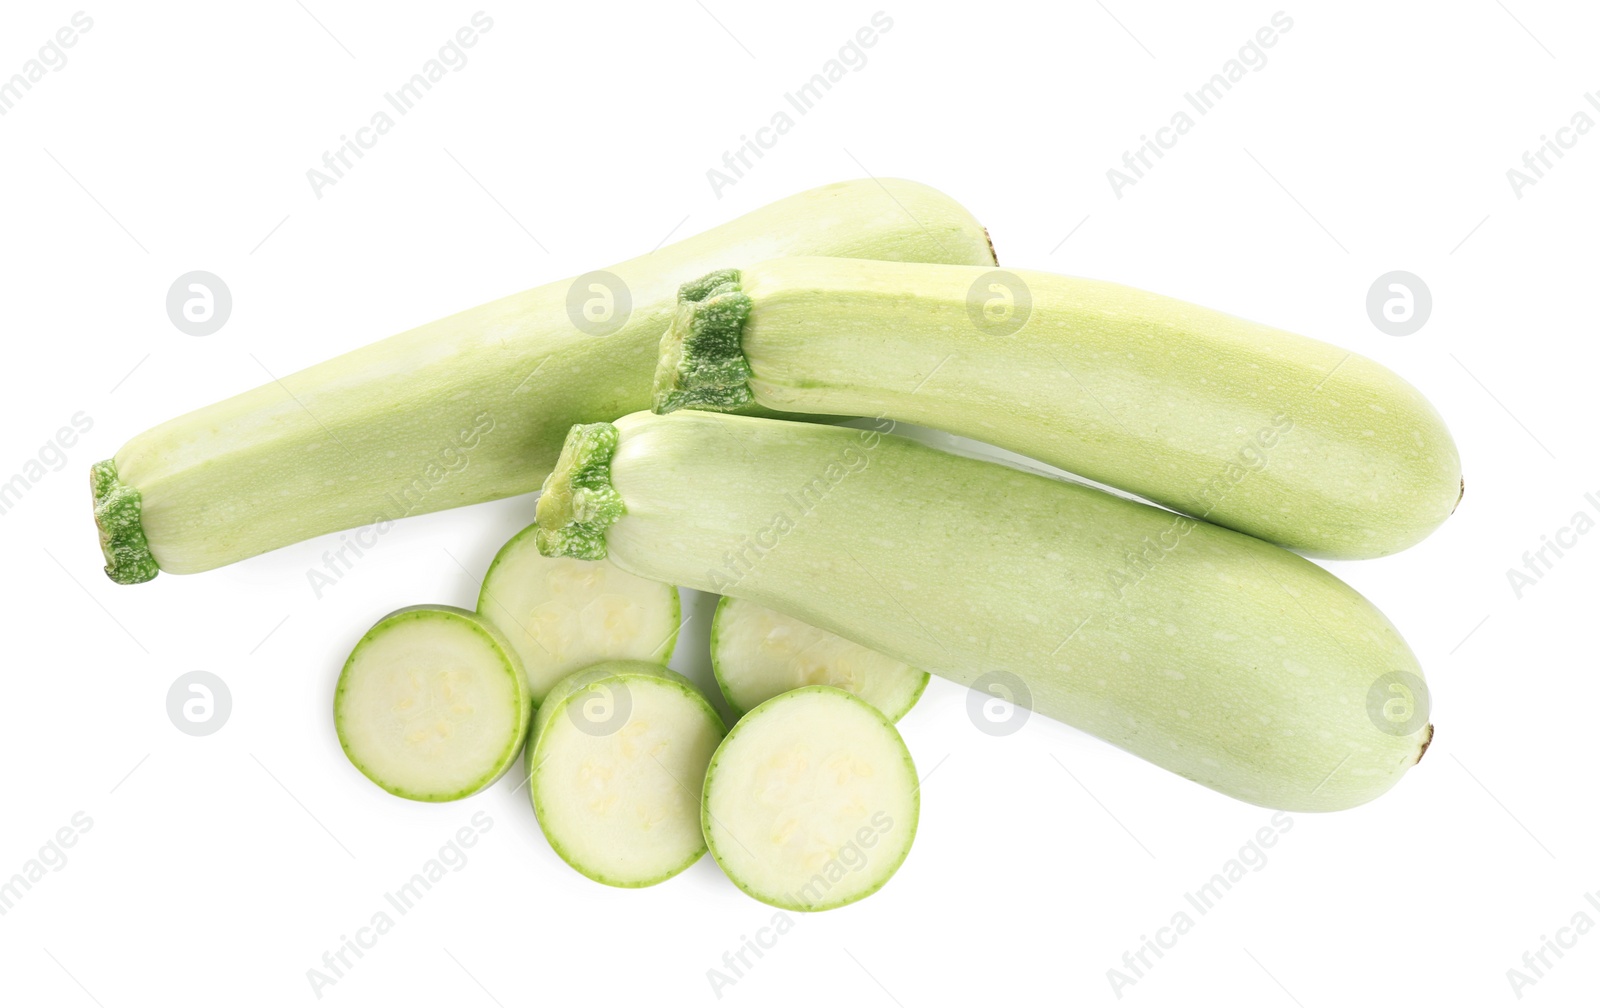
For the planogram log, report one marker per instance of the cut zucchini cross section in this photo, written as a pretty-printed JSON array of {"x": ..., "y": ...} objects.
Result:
[
  {"x": 562, "y": 614},
  {"x": 811, "y": 801},
  {"x": 432, "y": 704},
  {"x": 758, "y": 653},
  {"x": 615, "y": 770}
]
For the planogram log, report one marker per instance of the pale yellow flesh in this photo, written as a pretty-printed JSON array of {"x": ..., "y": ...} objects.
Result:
[
  {"x": 624, "y": 807},
  {"x": 429, "y": 706},
  {"x": 811, "y": 802},
  {"x": 562, "y": 615},
  {"x": 759, "y": 653}
]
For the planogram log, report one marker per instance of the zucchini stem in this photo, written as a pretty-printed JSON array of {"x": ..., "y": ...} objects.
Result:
[
  {"x": 578, "y": 502},
  {"x": 117, "y": 514},
  {"x": 702, "y": 363}
]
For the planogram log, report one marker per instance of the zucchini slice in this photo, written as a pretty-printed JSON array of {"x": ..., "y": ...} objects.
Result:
[
  {"x": 615, "y": 771},
  {"x": 562, "y": 615},
  {"x": 758, "y": 653},
  {"x": 432, "y": 704},
  {"x": 811, "y": 801}
]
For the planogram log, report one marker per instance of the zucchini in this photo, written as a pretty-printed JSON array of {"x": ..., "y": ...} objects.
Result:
[
  {"x": 615, "y": 769},
  {"x": 1288, "y": 439},
  {"x": 1213, "y": 654},
  {"x": 811, "y": 801},
  {"x": 562, "y": 615},
  {"x": 466, "y": 409},
  {"x": 432, "y": 704},
  {"x": 757, "y": 653}
]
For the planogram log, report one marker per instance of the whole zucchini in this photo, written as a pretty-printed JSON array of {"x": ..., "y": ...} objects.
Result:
[
  {"x": 1291, "y": 440},
  {"x": 1225, "y": 659},
  {"x": 465, "y": 409}
]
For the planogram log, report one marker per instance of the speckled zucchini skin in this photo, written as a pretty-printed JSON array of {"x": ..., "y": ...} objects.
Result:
[
  {"x": 1225, "y": 659},
  {"x": 1289, "y": 439},
  {"x": 466, "y": 409}
]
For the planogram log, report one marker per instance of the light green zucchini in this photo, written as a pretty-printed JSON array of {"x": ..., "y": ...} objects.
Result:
[
  {"x": 811, "y": 802},
  {"x": 432, "y": 704},
  {"x": 757, "y": 653},
  {"x": 466, "y": 409},
  {"x": 615, "y": 768},
  {"x": 1225, "y": 659},
  {"x": 1288, "y": 439},
  {"x": 562, "y": 615}
]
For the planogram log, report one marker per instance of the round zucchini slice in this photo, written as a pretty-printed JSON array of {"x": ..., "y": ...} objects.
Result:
[{"x": 432, "y": 704}]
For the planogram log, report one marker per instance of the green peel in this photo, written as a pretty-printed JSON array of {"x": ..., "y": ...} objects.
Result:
[
  {"x": 1222, "y": 658},
  {"x": 1282, "y": 437},
  {"x": 473, "y": 407},
  {"x": 702, "y": 363},
  {"x": 116, "y": 512},
  {"x": 578, "y": 502}
]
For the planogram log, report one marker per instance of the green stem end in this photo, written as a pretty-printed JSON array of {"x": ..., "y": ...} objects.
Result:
[
  {"x": 578, "y": 502},
  {"x": 117, "y": 513},
  {"x": 702, "y": 363}
]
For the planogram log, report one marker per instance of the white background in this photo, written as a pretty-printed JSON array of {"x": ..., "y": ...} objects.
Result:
[{"x": 219, "y": 869}]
